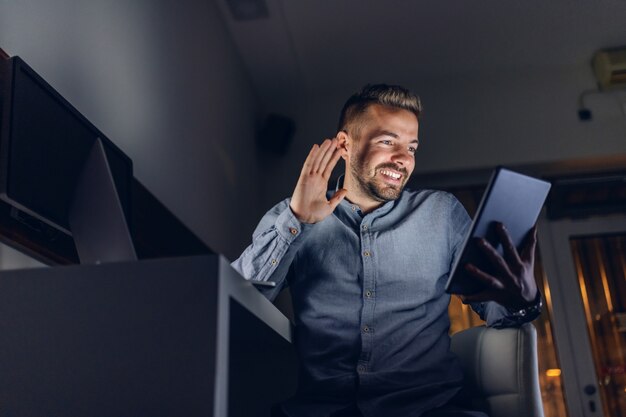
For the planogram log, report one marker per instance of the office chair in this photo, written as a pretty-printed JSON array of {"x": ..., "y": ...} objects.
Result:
[{"x": 500, "y": 367}]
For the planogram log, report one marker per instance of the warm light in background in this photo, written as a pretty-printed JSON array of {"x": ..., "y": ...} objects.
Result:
[{"x": 553, "y": 372}]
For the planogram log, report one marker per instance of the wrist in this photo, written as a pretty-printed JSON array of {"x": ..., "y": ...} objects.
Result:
[
  {"x": 529, "y": 311},
  {"x": 301, "y": 219},
  {"x": 298, "y": 215}
]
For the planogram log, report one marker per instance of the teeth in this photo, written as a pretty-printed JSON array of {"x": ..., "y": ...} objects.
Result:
[{"x": 390, "y": 174}]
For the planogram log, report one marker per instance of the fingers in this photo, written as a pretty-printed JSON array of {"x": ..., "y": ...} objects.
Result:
[
  {"x": 511, "y": 282},
  {"x": 528, "y": 252},
  {"x": 323, "y": 155},
  {"x": 328, "y": 155},
  {"x": 332, "y": 163},
  {"x": 489, "y": 280},
  {"x": 337, "y": 197},
  {"x": 479, "y": 297},
  {"x": 495, "y": 258},
  {"x": 509, "y": 249},
  {"x": 308, "y": 162},
  {"x": 493, "y": 287},
  {"x": 319, "y": 155}
]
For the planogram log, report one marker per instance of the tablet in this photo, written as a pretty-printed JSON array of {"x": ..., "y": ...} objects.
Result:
[{"x": 511, "y": 198}]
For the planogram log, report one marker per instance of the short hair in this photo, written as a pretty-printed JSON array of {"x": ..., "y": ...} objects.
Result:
[{"x": 387, "y": 95}]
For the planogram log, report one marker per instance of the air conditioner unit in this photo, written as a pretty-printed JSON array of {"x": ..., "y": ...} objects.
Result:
[{"x": 610, "y": 68}]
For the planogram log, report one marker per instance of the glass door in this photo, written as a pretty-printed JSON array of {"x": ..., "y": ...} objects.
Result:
[{"x": 585, "y": 265}]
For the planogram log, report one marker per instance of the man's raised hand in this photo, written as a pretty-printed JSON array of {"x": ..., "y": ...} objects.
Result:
[{"x": 309, "y": 202}]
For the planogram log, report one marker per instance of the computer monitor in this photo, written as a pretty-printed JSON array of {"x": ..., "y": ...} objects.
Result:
[{"x": 47, "y": 150}]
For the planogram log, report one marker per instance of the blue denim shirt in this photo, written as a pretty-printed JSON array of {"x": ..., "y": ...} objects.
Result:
[{"x": 371, "y": 313}]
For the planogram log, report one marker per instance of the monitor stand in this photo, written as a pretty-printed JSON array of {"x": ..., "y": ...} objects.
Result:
[{"x": 96, "y": 217}]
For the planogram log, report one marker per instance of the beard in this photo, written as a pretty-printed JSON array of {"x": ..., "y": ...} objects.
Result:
[{"x": 371, "y": 186}]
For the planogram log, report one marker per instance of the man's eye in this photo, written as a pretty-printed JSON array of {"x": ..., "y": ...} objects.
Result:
[
  {"x": 412, "y": 149},
  {"x": 385, "y": 142}
]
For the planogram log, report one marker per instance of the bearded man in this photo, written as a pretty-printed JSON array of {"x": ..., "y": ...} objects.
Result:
[{"x": 367, "y": 264}]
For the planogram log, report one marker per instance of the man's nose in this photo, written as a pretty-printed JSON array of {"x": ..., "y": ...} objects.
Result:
[{"x": 401, "y": 156}]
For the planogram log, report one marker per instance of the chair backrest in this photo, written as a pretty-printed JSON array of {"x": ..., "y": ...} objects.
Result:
[{"x": 500, "y": 367}]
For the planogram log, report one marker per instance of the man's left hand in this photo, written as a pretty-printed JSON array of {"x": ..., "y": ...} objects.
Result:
[{"x": 512, "y": 284}]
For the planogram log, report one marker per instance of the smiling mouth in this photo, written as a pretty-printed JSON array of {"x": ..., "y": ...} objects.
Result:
[{"x": 389, "y": 174}]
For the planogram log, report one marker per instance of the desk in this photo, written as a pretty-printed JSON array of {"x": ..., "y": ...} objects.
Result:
[{"x": 168, "y": 337}]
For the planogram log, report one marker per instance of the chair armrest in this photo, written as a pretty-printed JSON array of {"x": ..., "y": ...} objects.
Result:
[{"x": 500, "y": 367}]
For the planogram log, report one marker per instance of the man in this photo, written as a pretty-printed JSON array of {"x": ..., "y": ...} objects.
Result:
[{"x": 367, "y": 265}]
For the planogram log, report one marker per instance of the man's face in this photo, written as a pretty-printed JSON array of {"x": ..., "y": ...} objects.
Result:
[{"x": 382, "y": 158}]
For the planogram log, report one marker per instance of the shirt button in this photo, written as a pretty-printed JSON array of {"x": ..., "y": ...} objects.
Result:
[
  {"x": 368, "y": 294},
  {"x": 366, "y": 329},
  {"x": 360, "y": 368},
  {"x": 293, "y": 231},
  {"x": 366, "y": 253},
  {"x": 274, "y": 262},
  {"x": 364, "y": 227},
  {"x": 353, "y": 208}
]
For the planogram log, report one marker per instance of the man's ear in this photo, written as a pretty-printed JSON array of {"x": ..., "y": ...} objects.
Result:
[{"x": 344, "y": 142}]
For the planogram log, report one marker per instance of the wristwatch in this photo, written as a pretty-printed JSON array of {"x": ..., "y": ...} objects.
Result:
[{"x": 530, "y": 312}]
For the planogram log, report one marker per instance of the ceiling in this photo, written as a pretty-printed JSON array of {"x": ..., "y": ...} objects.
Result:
[{"x": 308, "y": 48}]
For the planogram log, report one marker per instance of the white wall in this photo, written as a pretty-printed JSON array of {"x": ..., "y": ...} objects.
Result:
[
  {"x": 162, "y": 80},
  {"x": 522, "y": 117}
]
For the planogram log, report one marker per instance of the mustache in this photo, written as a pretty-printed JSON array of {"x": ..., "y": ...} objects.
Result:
[{"x": 391, "y": 165}]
